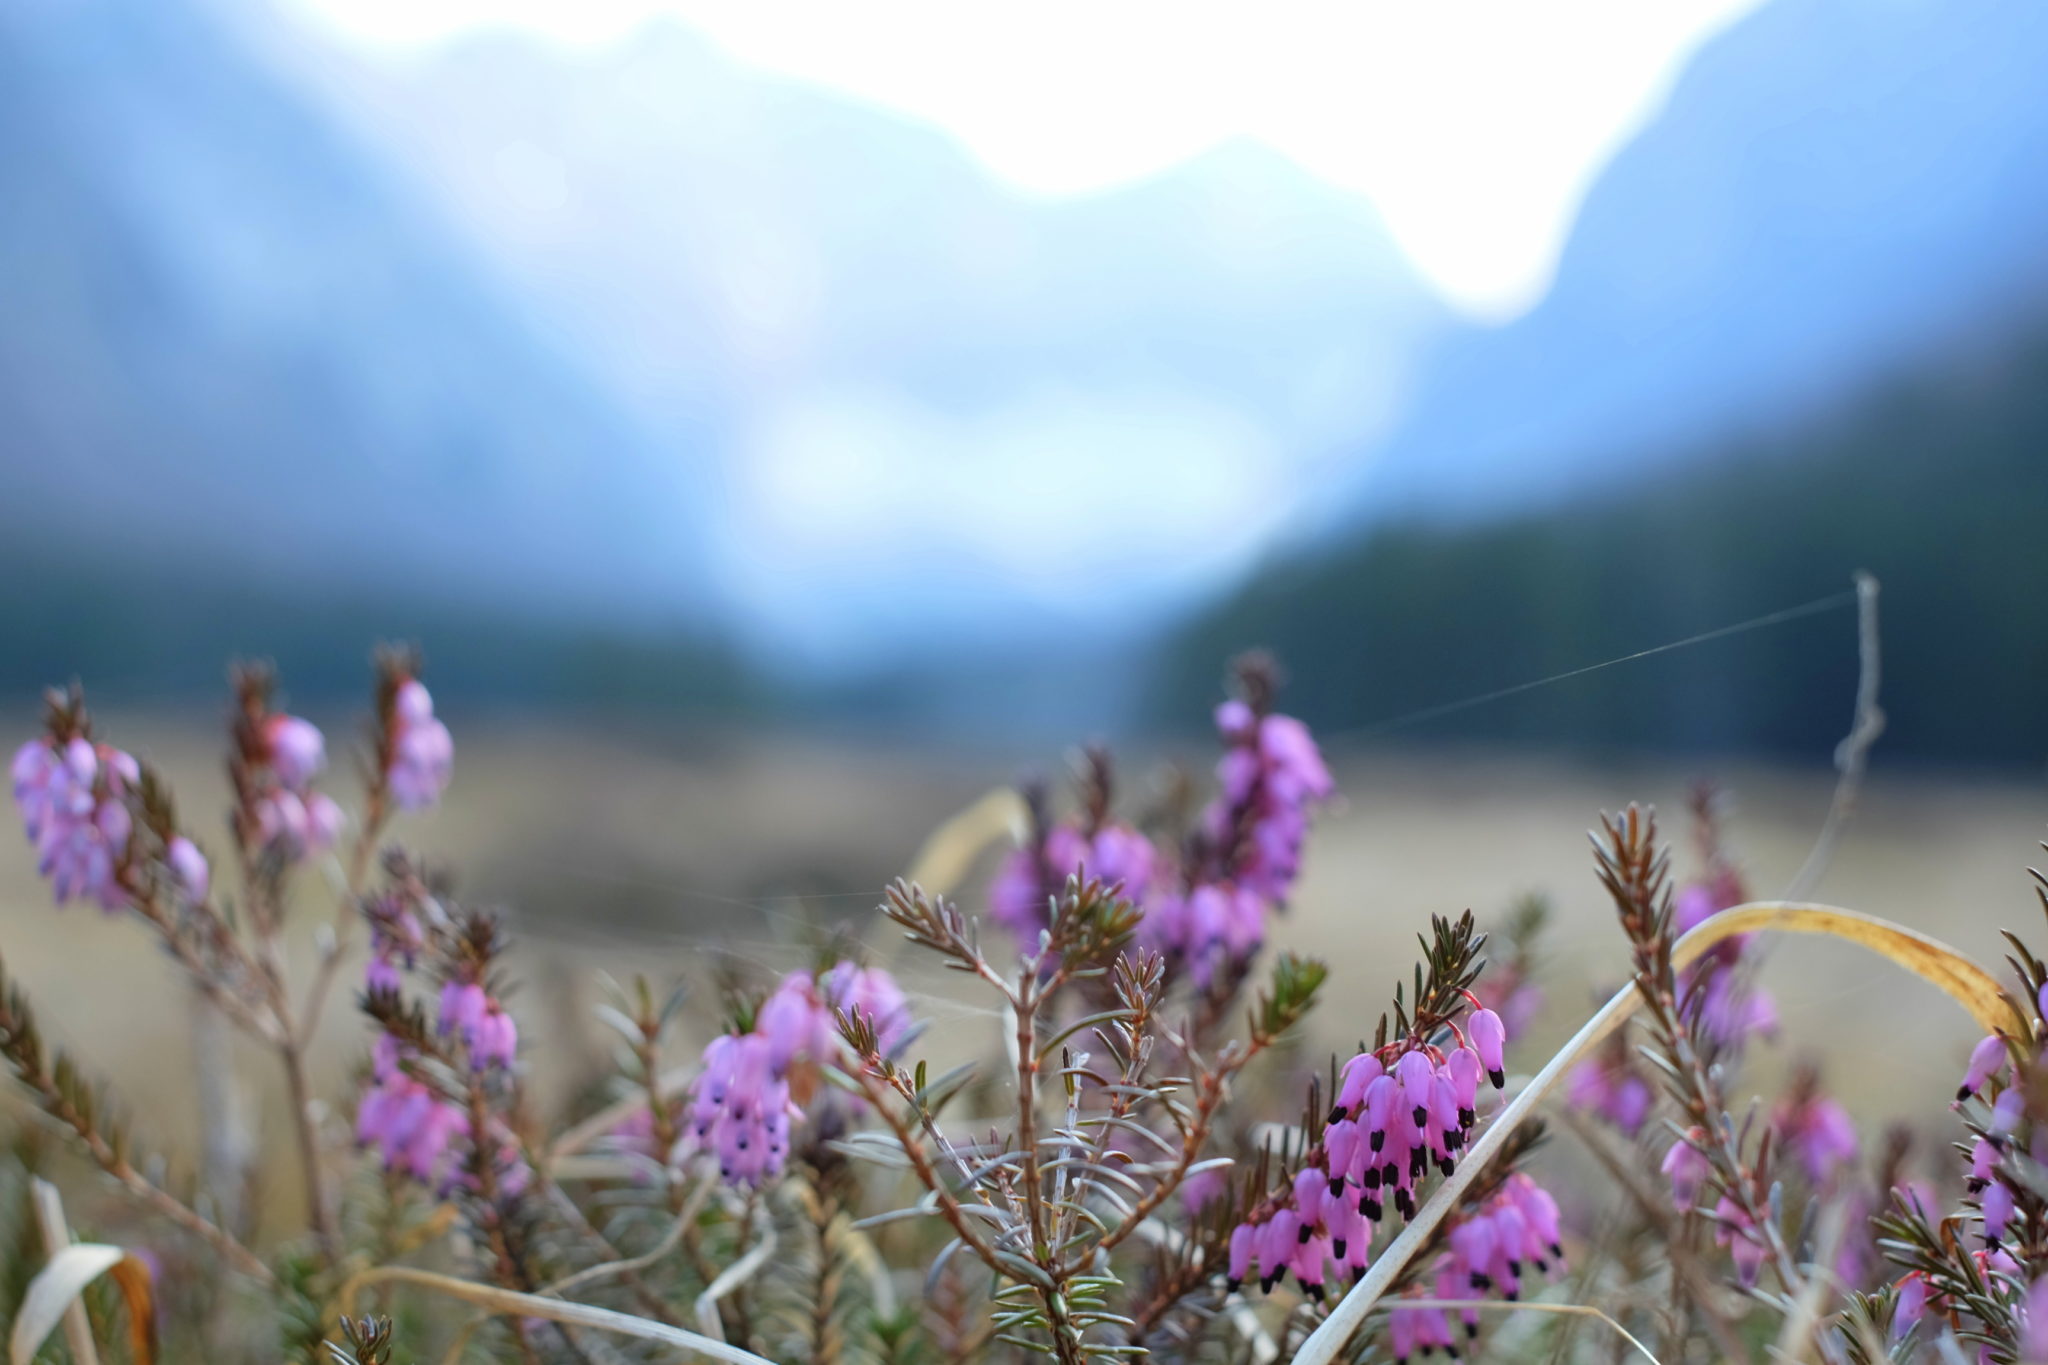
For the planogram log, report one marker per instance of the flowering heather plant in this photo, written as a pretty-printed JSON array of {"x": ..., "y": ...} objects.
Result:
[{"x": 1141, "y": 1160}]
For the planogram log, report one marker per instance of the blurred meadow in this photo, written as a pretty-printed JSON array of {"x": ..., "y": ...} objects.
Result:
[{"x": 707, "y": 858}]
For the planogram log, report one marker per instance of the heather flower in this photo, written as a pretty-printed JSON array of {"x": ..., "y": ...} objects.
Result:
[
  {"x": 1735, "y": 1231},
  {"x": 1987, "y": 1059},
  {"x": 1608, "y": 1086},
  {"x": 495, "y": 1040},
  {"x": 188, "y": 866},
  {"x": 463, "y": 1004},
  {"x": 1909, "y": 1305},
  {"x": 796, "y": 1023},
  {"x": 1819, "y": 1130},
  {"x": 406, "y": 1121},
  {"x": 1996, "y": 1206},
  {"x": 1489, "y": 1038},
  {"x": 395, "y": 942},
  {"x": 422, "y": 751},
  {"x": 1685, "y": 1165},
  {"x": 1211, "y": 928},
  {"x": 2033, "y": 1317},
  {"x": 741, "y": 1109},
  {"x": 300, "y": 823},
  {"x": 872, "y": 994},
  {"x": 73, "y": 803},
  {"x": 295, "y": 750},
  {"x": 1203, "y": 1188},
  {"x": 1269, "y": 777},
  {"x": 1021, "y": 895}
]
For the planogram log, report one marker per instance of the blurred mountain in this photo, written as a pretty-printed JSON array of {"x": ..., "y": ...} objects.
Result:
[
  {"x": 945, "y": 403},
  {"x": 237, "y": 353},
  {"x": 1933, "y": 479},
  {"x": 1801, "y": 329},
  {"x": 1834, "y": 187}
]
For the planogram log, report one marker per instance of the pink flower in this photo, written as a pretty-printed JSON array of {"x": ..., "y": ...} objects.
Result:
[
  {"x": 2033, "y": 1316},
  {"x": 422, "y": 751},
  {"x": 299, "y": 824},
  {"x": 741, "y": 1109},
  {"x": 1987, "y": 1059},
  {"x": 410, "y": 1126},
  {"x": 797, "y": 1024},
  {"x": 188, "y": 865},
  {"x": 1686, "y": 1166},
  {"x": 73, "y": 803},
  {"x": 1489, "y": 1038},
  {"x": 1745, "y": 1244},
  {"x": 463, "y": 1006},
  {"x": 871, "y": 993},
  {"x": 1606, "y": 1086},
  {"x": 1822, "y": 1133},
  {"x": 1996, "y": 1204},
  {"x": 395, "y": 941},
  {"x": 1733, "y": 1009},
  {"x": 1030, "y": 879},
  {"x": 1203, "y": 1188},
  {"x": 1269, "y": 776},
  {"x": 496, "y": 1039},
  {"x": 295, "y": 750},
  {"x": 1910, "y": 1304}
]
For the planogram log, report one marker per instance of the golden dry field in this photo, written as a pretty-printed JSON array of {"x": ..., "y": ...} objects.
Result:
[{"x": 615, "y": 855}]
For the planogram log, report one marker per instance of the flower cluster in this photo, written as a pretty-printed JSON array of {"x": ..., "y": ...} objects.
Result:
[
  {"x": 422, "y": 754},
  {"x": 290, "y": 816},
  {"x": 407, "y": 1121},
  {"x": 1398, "y": 1111},
  {"x": 1031, "y": 878},
  {"x": 1815, "y": 1128},
  {"x": 396, "y": 938},
  {"x": 1207, "y": 912},
  {"x": 431, "y": 1075},
  {"x": 1246, "y": 854},
  {"x": 1612, "y": 1085},
  {"x": 1515, "y": 1230},
  {"x": 73, "y": 797},
  {"x": 479, "y": 1019},
  {"x": 743, "y": 1104}
]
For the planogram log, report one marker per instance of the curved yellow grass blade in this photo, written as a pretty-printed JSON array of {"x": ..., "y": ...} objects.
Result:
[
  {"x": 1967, "y": 983},
  {"x": 59, "y": 1284},
  {"x": 950, "y": 850},
  {"x": 498, "y": 1300},
  {"x": 1975, "y": 989}
]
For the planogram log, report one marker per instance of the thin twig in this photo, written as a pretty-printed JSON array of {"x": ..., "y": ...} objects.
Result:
[
  {"x": 507, "y": 1301},
  {"x": 734, "y": 1275},
  {"x": 1852, "y": 755},
  {"x": 684, "y": 1217}
]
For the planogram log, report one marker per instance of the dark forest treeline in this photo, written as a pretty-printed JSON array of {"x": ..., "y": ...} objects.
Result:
[{"x": 1937, "y": 483}]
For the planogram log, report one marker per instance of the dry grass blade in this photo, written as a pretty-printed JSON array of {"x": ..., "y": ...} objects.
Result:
[
  {"x": 733, "y": 1276},
  {"x": 507, "y": 1301},
  {"x": 950, "y": 850},
  {"x": 1967, "y": 983},
  {"x": 1972, "y": 987},
  {"x": 49, "y": 1206},
  {"x": 58, "y": 1285}
]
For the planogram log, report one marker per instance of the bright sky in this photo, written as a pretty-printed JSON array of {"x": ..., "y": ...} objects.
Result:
[{"x": 1474, "y": 125}]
